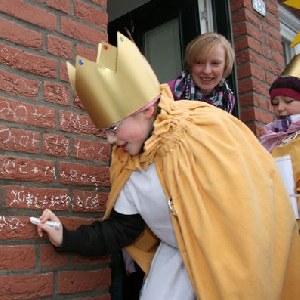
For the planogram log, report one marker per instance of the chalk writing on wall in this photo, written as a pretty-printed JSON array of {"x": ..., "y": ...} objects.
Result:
[
  {"x": 27, "y": 113},
  {"x": 11, "y": 223},
  {"x": 26, "y": 140},
  {"x": 37, "y": 201},
  {"x": 88, "y": 202}
]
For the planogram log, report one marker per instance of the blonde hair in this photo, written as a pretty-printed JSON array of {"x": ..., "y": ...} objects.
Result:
[{"x": 200, "y": 47}]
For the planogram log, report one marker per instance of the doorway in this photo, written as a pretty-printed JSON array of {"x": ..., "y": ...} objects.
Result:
[{"x": 162, "y": 29}]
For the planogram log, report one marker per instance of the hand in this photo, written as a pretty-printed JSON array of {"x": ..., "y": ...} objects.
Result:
[{"x": 55, "y": 235}]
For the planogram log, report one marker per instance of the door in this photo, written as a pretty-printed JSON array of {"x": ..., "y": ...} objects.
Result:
[{"x": 161, "y": 29}]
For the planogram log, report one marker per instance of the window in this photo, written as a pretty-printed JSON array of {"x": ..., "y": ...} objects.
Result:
[{"x": 289, "y": 27}]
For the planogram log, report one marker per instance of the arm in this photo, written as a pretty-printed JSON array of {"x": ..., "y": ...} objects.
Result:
[
  {"x": 99, "y": 238},
  {"x": 103, "y": 238}
]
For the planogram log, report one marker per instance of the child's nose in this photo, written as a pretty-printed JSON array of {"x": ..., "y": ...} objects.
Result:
[{"x": 281, "y": 106}]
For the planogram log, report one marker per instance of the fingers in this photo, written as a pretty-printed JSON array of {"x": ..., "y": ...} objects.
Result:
[
  {"x": 48, "y": 215},
  {"x": 55, "y": 235},
  {"x": 40, "y": 231}
]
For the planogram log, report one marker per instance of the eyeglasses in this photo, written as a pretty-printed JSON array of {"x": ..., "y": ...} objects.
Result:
[{"x": 112, "y": 129}]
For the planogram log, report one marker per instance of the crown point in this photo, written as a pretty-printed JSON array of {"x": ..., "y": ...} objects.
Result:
[
  {"x": 80, "y": 61},
  {"x": 121, "y": 39}
]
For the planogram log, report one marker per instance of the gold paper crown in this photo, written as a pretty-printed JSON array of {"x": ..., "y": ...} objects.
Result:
[
  {"x": 119, "y": 83},
  {"x": 293, "y": 68}
]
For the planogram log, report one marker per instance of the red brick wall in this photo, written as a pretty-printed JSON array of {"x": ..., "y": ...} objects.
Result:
[
  {"x": 259, "y": 59},
  {"x": 49, "y": 153}
]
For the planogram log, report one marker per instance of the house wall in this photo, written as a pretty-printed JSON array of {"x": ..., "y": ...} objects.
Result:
[
  {"x": 259, "y": 59},
  {"x": 51, "y": 156}
]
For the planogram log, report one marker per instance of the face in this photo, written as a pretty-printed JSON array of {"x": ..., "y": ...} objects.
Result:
[
  {"x": 209, "y": 72},
  {"x": 285, "y": 106},
  {"x": 132, "y": 132}
]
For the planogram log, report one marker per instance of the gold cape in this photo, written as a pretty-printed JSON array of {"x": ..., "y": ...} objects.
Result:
[{"x": 234, "y": 224}]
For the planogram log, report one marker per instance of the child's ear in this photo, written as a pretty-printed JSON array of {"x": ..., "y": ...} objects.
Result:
[{"x": 149, "y": 112}]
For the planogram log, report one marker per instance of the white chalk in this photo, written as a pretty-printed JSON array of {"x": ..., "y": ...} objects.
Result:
[{"x": 54, "y": 225}]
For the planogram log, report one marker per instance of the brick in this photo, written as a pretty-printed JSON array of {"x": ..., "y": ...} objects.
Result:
[
  {"x": 250, "y": 69},
  {"x": 59, "y": 47},
  {"x": 12, "y": 139},
  {"x": 272, "y": 7},
  {"x": 63, "y": 72},
  {"x": 255, "y": 99},
  {"x": 20, "y": 287},
  {"x": 275, "y": 44},
  {"x": 260, "y": 60},
  {"x": 82, "y": 281},
  {"x": 243, "y": 15},
  {"x": 236, "y": 5},
  {"x": 266, "y": 51},
  {"x": 89, "y": 53},
  {"x": 16, "y": 228},
  {"x": 27, "y": 62},
  {"x": 92, "y": 150},
  {"x": 272, "y": 31},
  {"x": 275, "y": 69},
  {"x": 239, "y": 30},
  {"x": 25, "y": 169},
  {"x": 252, "y": 114},
  {"x": 245, "y": 85},
  {"x": 56, "y": 145},
  {"x": 24, "y": 113},
  {"x": 271, "y": 21},
  {"x": 260, "y": 87},
  {"x": 270, "y": 77},
  {"x": 56, "y": 93},
  {"x": 278, "y": 59},
  {"x": 18, "y": 85},
  {"x": 89, "y": 201},
  {"x": 79, "y": 174},
  {"x": 243, "y": 56},
  {"x": 241, "y": 43},
  {"x": 248, "y": 42},
  {"x": 51, "y": 259},
  {"x": 35, "y": 198},
  {"x": 20, "y": 35},
  {"x": 77, "y": 102},
  {"x": 17, "y": 257},
  {"x": 247, "y": 115},
  {"x": 255, "y": 128},
  {"x": 64, "y": 6},
  {"x": 82, "y": 32},
  {"x": 90, "y": 13},
  {"x": 76, "y": 123},
  {"x": 102, "y": 3},
  {"x": 29, "y": 13}
]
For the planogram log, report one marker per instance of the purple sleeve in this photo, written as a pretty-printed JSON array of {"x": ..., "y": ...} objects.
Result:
[{"x": 171, "y": 84}]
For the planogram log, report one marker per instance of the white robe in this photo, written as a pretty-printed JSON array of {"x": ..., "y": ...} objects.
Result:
[{"x": 167, "y": 278}]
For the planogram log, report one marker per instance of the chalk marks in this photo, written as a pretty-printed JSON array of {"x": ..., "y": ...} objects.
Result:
[
  {"x": 22, "y": 197},
  {"x": 11, "y": 223}
]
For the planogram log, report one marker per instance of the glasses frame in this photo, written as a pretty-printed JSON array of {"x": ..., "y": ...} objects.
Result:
[{"x": 111, "y": 130}]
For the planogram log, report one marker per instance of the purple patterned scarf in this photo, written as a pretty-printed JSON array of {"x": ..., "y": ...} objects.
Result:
[
  {"x": 183, "y": 87},
  {"x": 278, "y": 130}
]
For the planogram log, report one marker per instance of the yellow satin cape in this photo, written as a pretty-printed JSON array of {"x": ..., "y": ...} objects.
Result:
[{"x": 234, "y": 223}]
